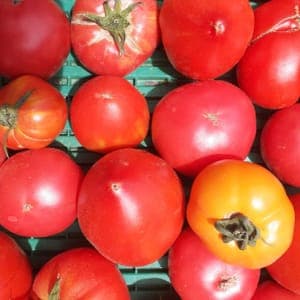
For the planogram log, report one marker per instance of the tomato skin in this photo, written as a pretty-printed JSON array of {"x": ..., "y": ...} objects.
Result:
[
  {"x": 41, "y": 117},
  {"x": 84, "y": 274},
  {"x": 26, "y": 27},
  {"x": 2, "y": 154},
  {"x": 205, "y": 39},
  {"x": 279, "y": 144},
  {"x": 131, "y": 206},
  {"x": 15, "y": 272},
  {"x": 229, "y": 187},
  {"x": 39, "y": 191},
  {"x": 194, "y": 270},
  {"x": 101, "y": 55},
  {"x": 118, "y": 114},
  {"x": 209, "y": 121}
]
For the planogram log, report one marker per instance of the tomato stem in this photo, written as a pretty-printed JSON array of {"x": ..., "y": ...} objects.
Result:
[{"x": 54, "y": 294}]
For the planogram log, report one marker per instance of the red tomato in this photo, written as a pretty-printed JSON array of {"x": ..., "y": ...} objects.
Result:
[
  {"x": 203, "y": 39},
  {"x": 107, "y": 113},
  {"x": 201, "y": 122},
  {"x": 15, "y": 270},
  {"x": 271, "y": 290},
  {"x": 196, "y": 273},
  {"x": 114, "y": 37},
  {"x": 35, "y": 38},
  {"x": 38, "y": 191},
  {"x": 80, "y": 273},
  {"x": 131, "y": 206},
  {"x": 280, "y": 144},
  {"x": 269, "y": 72},
  {"x": 2, "y": 154},
  {"x": 286, "y": 270},
  {"x": 32, "y": 113}
]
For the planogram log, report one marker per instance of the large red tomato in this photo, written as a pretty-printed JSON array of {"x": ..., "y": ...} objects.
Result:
[
  {"x": 131, "y": 206},
  {"x": 35, "y": 38},
  {"x": 15, "y": 270},
  {"x": 201, "y": 122},
  {"x": 79, "y": 273},
  {"x": 32, "y": 113},
  {"x": 114, "y": 37},
  {"x": 280, "y": 144},
  {"x": 107, "y": 112},
  {"x": 269, "y": 72},
  {"x": 196, "y": 273},
  {"x": 39, "y": 190},
  {"x": 203, "y": 39}
]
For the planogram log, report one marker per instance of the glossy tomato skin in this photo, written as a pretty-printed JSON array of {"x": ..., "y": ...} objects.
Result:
[
  {"x": 38, "y": 120},
  {"x": 39, "y": 191},
  {"x": 279, "y": 144},
  {"x": 131, "y": 206},
  {"x": 118, "y": 114},
  {"x": 205, "y": 39},
  {"x": 234, "y": 188},
  {"x": 269, "y": 71},
  {"x": 15, "y": 272},
  {"x": 201, "y": 122},
  {"x": 194, "y": 270},
  {"x": 94, "y": 46},
  {"x": 83, "y": 274},
  {"x": 35, "y": 38},
  {"x": 286, "y": 270}
]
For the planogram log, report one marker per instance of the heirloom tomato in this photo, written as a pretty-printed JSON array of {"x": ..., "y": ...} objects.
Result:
[
  {"x": 15, "y": 270},
  {"x": 114, "y": 37},
  {"x": 79, "y": 273},
  {"x": 35, "y": 38},
  {"x": 107, "y": 112},
  {"x": 39, "y": 191},
  {"x": 269, "y": 71},
  {"x": 241, "y": 212},
  {"x": 131, "y": 206},
  {"x": 32, "y": 113}
]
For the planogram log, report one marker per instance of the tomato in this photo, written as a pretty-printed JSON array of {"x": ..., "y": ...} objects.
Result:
[
  {"x": 114, "y": 37},
  {"x": 204, "y": 39},
  {"x": 286, "y": 269},
  {"x": 39, "y": 191},
  {"x": 35, "y": 38},
  {"x": 118, "y": 114},
  {"x": 15, "y": 272},
  {"x": 32, "y": 113},
  {"x": 131, "y": 206},
  {"x": 271, "y": 290},
  {"x": 79, "y": 273},
  {"x": 269, "y": 71},
  {"x": 201, "y": 122},
  {"x": 194, "y": 270},
  {"x": 2, "y": 154},
  {"x": 234, "y": 208},
  {"x": 280, "y": 144}
]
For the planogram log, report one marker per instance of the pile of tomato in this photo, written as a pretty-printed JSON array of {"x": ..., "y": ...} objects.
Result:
[{"x": 227, "y": 224}]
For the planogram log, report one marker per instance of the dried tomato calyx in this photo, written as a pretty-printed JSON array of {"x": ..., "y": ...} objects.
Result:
[
  {"x": 115, "y": 21},
  {"x": 55, "y": 291},
  {"x": 238, "y": 228}
]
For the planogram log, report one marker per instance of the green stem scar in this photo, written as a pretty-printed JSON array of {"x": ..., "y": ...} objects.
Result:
[{"x": 54, "y": 294}]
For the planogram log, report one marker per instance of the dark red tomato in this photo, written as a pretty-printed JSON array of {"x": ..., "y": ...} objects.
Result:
[
  {"x": 131, "y": 206},
  {"x": 286, "y": 270},
  {"x": 32, "y": 113},
  {"x": 35, "y": 38},
  {"x": 201, "y": 122},
  {"x": 15, "y": 270},
  {"x": 271, "y": 290},
  {"x": 195, "y": 272},
  {"x": 280, "y": 144},
  {"x": 114, "y": 37},
  {"x": 79, "y": 273},
  {"x": 203, "y": 39},
  {"x": 39, "y": 190},
  {"x": 107, "y": 112},
  {"x": 269, "y": 72}
]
